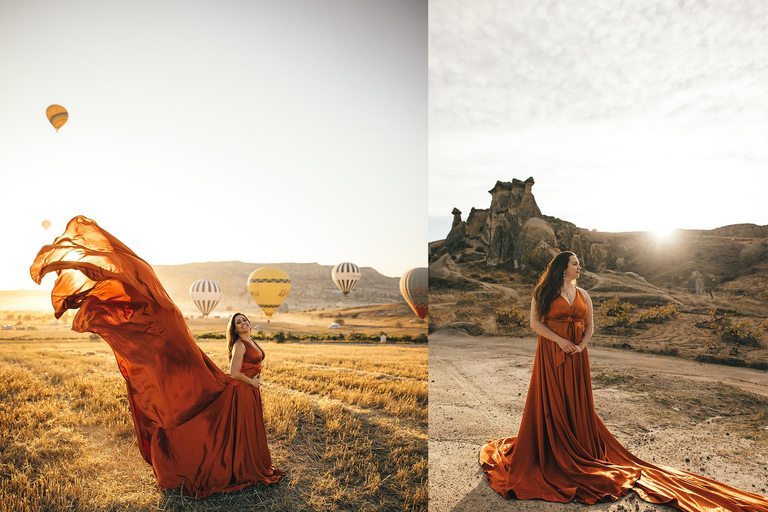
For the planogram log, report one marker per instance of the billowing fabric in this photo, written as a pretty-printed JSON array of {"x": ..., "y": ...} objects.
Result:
[
  {"x": 197, "y": 427},
  {"x": 564, "y": 452}
]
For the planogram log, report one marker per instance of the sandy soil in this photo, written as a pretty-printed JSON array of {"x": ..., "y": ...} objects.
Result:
[{"x": 707, "y": 419}]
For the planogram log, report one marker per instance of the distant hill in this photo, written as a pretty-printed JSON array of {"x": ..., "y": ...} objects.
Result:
[{"x": 311, "y": 287}]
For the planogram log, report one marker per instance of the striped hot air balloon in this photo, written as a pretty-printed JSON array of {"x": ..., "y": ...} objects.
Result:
[
  {"x": 57, "y": 115},
  {"x": 345, "y": 275},
  {"x": 206, "y": 294},
  {"x": 269, "y": 286},
  {"x": 414, "y": 288}
]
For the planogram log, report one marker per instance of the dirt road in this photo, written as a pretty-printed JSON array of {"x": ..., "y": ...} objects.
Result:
[{"x": 667, "y": 410}]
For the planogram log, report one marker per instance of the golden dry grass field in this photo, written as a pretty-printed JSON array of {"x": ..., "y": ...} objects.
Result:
[{"x": 347, "y": 422}]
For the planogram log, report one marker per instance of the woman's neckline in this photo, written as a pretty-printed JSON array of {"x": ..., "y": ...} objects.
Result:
[
  {"x": 570, "y": 304},
  {"x": 254, "y": 345}
]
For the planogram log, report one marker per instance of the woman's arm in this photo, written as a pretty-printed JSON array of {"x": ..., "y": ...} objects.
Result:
[
  {"x": 589, "y": 324},
  {"x": 237, "y": 363},
  {"x": 539, "y": 326}
]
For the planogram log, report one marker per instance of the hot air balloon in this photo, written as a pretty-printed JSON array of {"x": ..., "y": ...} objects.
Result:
[
  {"x": 46, "y": 224},
  {"x": 206, "y": 294},
  {"x": 345, "y": 275},
  {"x": 414, "y": 288},
  {"x": 57, "y": 115},
  {"x": 269, "y": 286}
]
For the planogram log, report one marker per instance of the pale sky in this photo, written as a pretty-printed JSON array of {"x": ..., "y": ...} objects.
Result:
[
  {"x": 257, "y": 131},
  {"x": 630, "y": 116}
]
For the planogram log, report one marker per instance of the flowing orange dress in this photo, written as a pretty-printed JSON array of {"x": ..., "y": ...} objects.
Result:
[
  {"x": 200, "y": 429},
  {"x": 564, "y": 452}
]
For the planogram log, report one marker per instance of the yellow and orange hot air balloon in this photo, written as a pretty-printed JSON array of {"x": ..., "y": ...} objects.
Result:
[
  {"x": 46, "y": 224},
  {"x": 57, "y": 115},
  {"x": 269, "y": 286}
]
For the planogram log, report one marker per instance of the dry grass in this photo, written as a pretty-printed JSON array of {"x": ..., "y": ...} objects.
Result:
[{"x": 346, "y": 422}]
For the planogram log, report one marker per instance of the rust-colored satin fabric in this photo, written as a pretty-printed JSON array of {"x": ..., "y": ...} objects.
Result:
[
  {"x": 564, "y": 452},
  {"x": 195, "y": 425}
]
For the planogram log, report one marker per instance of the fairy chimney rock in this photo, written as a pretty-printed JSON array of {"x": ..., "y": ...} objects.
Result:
[
  {"x": 456, "y": 217},
  {"x": 512, "y": 205}
]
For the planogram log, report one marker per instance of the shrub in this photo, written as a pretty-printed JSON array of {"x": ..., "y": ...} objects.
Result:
[
  {"x": 211, "y": 336},
  {"x": 617, "y": 313},
  {"x": 279, "y": 337},
  {"x": 622, "y": 319},
  {"x": 659, "y": 314},
  {"x": 741, "y": 333},
  {"x": 616, "y": 307},
  {"x": 511, "y": 316},
  {"x": 339, "y": 321}
]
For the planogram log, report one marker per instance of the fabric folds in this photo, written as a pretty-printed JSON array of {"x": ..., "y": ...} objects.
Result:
[
  {"x": 564, "y": 452},
  {"x": 198, "y": 428}
]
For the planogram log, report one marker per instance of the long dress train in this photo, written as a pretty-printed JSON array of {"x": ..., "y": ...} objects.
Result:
[
  {"x": 564, "y": 452},
  {"x": 198, "y": 428}
]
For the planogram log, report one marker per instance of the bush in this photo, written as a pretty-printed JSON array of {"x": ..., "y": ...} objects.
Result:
[
  {"x": 279, "y": 337},
  {"x": 511, "y": 316},
  {"x": 339, "y": 321},
  {"x": 741, "y": 334},
  {"x": 617, "y": 313},
  {"x": 211, "y": 336},
  {"x": 622, "y": 319},
  {"x": 615, "y": 307},
  {"x": 659, "y": 314}
]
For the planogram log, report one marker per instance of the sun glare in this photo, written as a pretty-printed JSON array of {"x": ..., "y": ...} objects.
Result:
[{"x": 664, "y": 233}]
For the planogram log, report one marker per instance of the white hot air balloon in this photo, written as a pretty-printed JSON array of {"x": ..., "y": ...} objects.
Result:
[
  {"x": 345, "y": 275},
  {"x": 414, "y": 286},
  {"x": 206, "y": 294}
]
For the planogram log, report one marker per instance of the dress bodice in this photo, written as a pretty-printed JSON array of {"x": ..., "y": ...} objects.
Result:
[
  {"x": 252, "y": 360},
  {"x": 567, "y": 320}
]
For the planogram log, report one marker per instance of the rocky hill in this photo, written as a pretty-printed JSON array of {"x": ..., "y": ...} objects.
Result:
[{"x": 513, "y": 235}]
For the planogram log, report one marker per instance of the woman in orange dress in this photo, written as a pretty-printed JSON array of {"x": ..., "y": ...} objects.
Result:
[
  {"x": 200, "y": 429},
  {"x": 563, "y": 451}
]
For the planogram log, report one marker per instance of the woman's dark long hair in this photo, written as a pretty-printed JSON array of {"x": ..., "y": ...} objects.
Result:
[
  {"x": 550, "y": 282},
  {"x": 232, "y": 335}
]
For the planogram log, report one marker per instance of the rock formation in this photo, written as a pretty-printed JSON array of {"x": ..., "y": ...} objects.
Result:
[
  {"x": 456, "y": 217},
  {"x": 513, "y": 234},
  {"x": 512, "y": 205}
]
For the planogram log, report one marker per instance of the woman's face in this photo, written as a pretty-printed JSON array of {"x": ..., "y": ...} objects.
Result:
[
  {"x": 573, "y": 270},
  {"x": 242, "y": 325}
]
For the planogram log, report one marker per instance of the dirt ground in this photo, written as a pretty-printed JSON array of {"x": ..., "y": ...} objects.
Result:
[{"x": 707, "y": 419}]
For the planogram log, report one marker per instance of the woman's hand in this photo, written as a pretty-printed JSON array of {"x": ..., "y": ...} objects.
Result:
[
  {"x": 255, "y": 381},
  {"x": 568, "y": 346}
]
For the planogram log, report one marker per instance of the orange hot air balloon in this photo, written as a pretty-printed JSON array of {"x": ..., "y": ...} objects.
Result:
[
  {"x": 57, "y": 115},
  {"x": 46, "y": 224}
]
